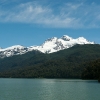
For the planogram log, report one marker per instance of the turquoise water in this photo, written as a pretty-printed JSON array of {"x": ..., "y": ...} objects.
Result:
[{"x": 48, "y": 89}]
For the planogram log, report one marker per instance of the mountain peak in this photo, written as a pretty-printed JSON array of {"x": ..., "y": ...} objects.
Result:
[
  {"x": 51, "y": 39},
  {"x": 82, "y": 38},
  {"x": 66, "y": 38}
]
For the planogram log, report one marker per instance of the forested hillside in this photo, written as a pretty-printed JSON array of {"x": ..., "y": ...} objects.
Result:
[
  {"x": 92, "y": 70},
  {"x": 68, "y": 63}
]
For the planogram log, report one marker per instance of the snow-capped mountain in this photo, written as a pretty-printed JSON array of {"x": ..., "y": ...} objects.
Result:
[
  {"x": 13, "y": 50},
  {"x": 55, "y": 44},
  {"x": 49, "y": 46}
]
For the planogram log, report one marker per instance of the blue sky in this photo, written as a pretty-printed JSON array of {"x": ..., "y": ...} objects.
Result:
[{"x": 31, "y": 22}]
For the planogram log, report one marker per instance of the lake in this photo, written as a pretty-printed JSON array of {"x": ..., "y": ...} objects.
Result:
[{"x": 48, "y": 89}]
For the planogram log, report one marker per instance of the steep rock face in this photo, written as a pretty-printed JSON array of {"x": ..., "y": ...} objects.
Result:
[{"x": 49, "y": 46}]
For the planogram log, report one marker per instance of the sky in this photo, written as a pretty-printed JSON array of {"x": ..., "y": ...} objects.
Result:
[{"x": 31, "y": 22}]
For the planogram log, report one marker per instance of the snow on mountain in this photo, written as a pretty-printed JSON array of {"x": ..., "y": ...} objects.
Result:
[
  {"x": 13, "y": 50},
  {"x": 49, "y": 46},
  {"x": 66, "y": 38},
  {"x": 55, "y": 44}
]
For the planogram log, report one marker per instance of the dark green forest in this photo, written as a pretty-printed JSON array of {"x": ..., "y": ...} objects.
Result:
[
  {"x": 79, "y": 61},
  {"x": 92, "y": 70}
]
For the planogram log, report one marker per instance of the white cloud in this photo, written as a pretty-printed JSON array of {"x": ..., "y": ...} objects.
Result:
[{"x": 70, "y": 15}]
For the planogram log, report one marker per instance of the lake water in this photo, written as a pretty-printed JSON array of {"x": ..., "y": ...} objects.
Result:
[{"x": 49, "y": 89}]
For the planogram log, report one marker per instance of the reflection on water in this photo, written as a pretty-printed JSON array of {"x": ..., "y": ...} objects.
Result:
[{"x": 48, "y": 89}]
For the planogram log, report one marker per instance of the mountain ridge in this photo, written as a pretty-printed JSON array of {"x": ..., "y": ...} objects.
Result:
[{"x": 49, "y": 46}]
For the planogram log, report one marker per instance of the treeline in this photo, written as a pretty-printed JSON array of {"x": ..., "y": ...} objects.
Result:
[{"x": 68, "y": 63}]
